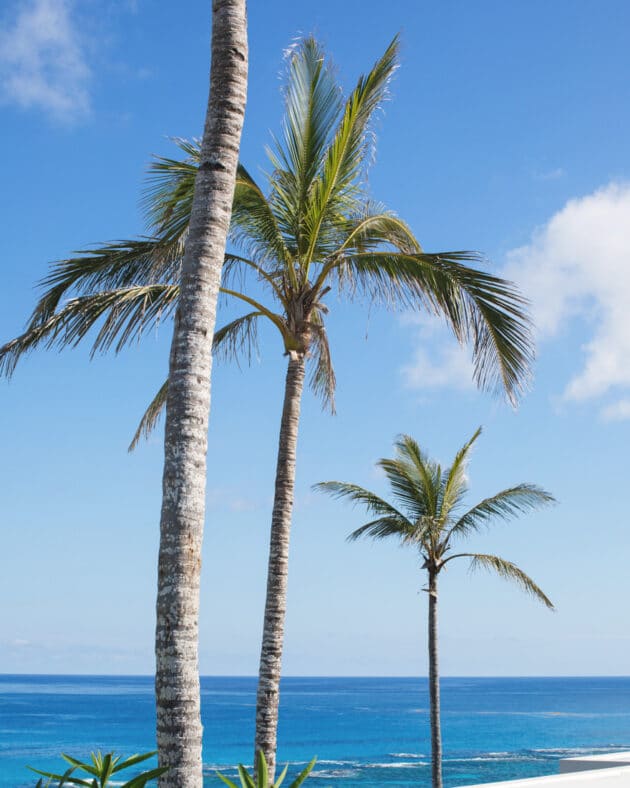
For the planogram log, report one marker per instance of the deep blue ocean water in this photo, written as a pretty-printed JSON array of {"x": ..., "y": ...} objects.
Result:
[{"x": 366, "y": 732}]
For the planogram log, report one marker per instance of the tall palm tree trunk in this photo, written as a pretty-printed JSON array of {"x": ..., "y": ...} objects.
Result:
[
  {"x": 268, "y": 696},
  {"x": 434, "y": 686},
  {"x": 179, "y": 729}
]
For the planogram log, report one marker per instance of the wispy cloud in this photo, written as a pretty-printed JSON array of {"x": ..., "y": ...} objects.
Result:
[
  {"x": 42, "y": 60},
  {"x": 577, "y": 266},
  {"x": 438, "y": 360},
  {"x": 550, "y": 175}
]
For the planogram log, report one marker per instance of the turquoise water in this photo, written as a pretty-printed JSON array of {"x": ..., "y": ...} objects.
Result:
[{"x": 366, "y": 732}]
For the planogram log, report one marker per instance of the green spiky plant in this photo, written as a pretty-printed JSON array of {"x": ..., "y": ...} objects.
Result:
[
  {"x": 262, "y": 778},
  {"x": 100, "y": 770},
  {"x": 427, "y": 515},
  {"x": 313, "y": 232}
]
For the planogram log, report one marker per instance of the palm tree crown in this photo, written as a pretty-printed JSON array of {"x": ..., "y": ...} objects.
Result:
[
  {"x": 314, "y": 231},
  {"x": 427, "y": 510}
]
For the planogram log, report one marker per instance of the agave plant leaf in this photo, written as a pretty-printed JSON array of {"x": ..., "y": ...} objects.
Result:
[
  {"x": 141, "y": 780},
  {"x": 303, "y": 774}
]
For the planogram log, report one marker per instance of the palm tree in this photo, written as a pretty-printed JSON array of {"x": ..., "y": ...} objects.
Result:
[
  {"x": 313, "y": 232},
  {"x": 177, "y": 690},
  {"x": 426, "y": 514}
]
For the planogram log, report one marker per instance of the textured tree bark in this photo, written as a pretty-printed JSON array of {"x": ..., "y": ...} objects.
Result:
[
  {"x": 268, "y": 697},
  {"x": 179, "y": 729},
  {"x": 434, "y": 685}
]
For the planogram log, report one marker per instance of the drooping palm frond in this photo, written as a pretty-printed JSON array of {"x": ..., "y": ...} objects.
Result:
[
  {"x": 506, "y": 570},
  {"x": 239, "y": 337},
  {"x": 322, "y": 379},
  {"x": 151, "y": 416},
  {"x": 505, "y": 505},
  {"x": 374, "y": 228},
  {"x": 108, "y": 267},
  {"x": 481, "y": 309},
  {"x": 126, "y": 314}
]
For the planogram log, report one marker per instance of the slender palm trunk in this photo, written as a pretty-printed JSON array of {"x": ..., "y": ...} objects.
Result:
[
  {"x": 268, "y": 696},
  {"x": 187, "y": 411},
  {"x": 434, "y": 685}
]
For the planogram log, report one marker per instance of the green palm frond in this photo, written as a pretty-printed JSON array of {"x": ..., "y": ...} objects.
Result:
[
  {"x": 108, "y": 267},
  {"x": 359, "y": 495},
  {"x": 151, "y": 416},
  {"x": 254, "y": 224},
  {"x": 239, "y": 337},
  {"x": 508, "y": 571},
  {"x": 126, "y": 314},
  {"x": 167, "y": 197},
  {"x": 312, "y": 106},
  {"x": 505, "y": 505},
  {"x": 384, "y": 527},
  {"x": 481, "y": 309},
  {"x": 375, "y": 227},
  {"x": 424, "y": 473},
  {"x": 454, "y": 485},
  {"x": 335, "y": 191}
]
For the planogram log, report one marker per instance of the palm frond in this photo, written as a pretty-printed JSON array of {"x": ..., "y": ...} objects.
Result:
[
  {"x": 484, "y": 310},
  {"x": 312, "y": 105},
  {"x": 454, "y": 485},
  {"x": 424, "y": 473},
  {"x": 359, "y": 495},
  {"x": 238, "y": 337},
  {"x": 322, "y": 379},
  {"x": 384, "y": 527},
  {"x": 505, "y": 505},
  {"x": 335, "y": 190},
  {"x": 151, "y": 416},
  {"x": 254, "y": 225},
  {"x": 110, "y": 266},
  {"x": 126, "y": 314},
  {"x": 167, "y": 197},
  {"x": 508, "y": 571},
  {"x": 375, "y": 227}
]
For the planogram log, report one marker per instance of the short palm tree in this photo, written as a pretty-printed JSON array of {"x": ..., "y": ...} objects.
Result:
[
  {"x": 313, "y": 232},
  {"x": 427, "y": 515}
]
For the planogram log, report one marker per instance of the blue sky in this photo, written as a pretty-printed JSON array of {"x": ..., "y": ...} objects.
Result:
[{"x": 507, "y": 133}]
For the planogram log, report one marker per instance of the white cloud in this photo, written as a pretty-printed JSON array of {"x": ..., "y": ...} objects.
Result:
[
  {"x": 438, "y": 361},
  {"x": 42, "y": 61},
  {"x": 578, "y": 266}
]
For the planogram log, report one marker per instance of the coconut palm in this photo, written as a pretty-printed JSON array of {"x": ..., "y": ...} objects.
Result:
[
  {"x": 427, "y": 515},
  {"x": 313, "y": 231}
]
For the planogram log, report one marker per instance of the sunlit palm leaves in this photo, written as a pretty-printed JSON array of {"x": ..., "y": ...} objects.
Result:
[{"x": 312, "y": 230}]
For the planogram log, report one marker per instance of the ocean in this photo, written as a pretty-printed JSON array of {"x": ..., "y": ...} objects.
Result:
[{"x": 366, "y": 732}]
